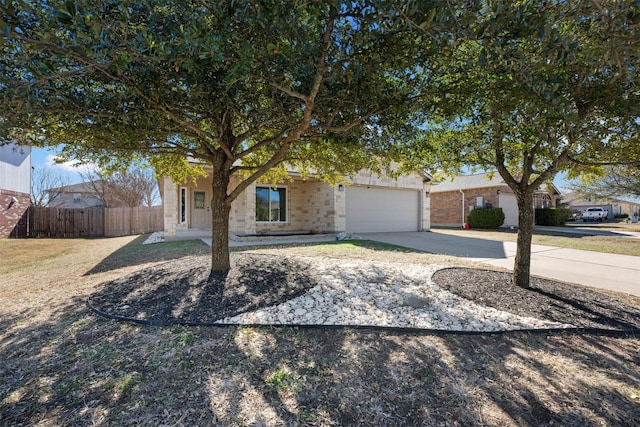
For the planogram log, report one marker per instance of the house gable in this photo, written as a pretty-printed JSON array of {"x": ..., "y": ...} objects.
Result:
[{"x": 75, "y": 196}]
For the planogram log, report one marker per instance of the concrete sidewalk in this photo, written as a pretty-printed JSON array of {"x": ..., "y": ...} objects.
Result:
[{"x": 599, "y": 270}]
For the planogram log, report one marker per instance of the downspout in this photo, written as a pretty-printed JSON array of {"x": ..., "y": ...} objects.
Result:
[{"x": 462, "y": 220}]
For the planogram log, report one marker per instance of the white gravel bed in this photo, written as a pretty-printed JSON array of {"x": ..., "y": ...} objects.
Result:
[{"x": 362, "y": 293}]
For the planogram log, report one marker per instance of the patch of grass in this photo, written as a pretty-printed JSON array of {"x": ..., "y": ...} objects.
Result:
[
  {"x": 335, "y": 248},
  {"x": 183, "y": 340},
  {"x": 23, "y": 252},
  {"x": 32, "y": 255},
  {"x": 69, "y": 386},
  {"x": 282, "y": 380},
  {"x": 106, "y": 351},
  {"x": 186, "y": 365},
  {"x": 126, "y": 383},
  {"x": 604, "y": 244},
  {"x": 360, "y": 249},
  {"x": 136, "y": 253}
]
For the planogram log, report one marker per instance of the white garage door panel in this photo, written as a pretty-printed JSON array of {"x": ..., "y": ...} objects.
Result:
[
  {"x": 377, "y": 210},
  {"x": 509, "y": 208}
]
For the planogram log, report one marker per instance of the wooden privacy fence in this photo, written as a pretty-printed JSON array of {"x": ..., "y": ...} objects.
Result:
[
  {"x": 127, "y": 221},
  {"x": 93, "y": 222}
]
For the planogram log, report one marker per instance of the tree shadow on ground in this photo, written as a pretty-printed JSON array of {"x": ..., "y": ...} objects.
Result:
[
  {"x": 135, "y": 253},
  {"x": 545, "y": 299},
  {"x": 64, "y": 366},
  {"x": 72, "y": 368},
  {"x": 444, "y": 244},
  {"x": 346, "y": 377},
  {"x": 187, "y": 293}
]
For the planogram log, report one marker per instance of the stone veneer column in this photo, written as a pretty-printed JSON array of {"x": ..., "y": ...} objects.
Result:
[
  {"x": 340, "y": 208},
  {"x": 426, "y": 207},
  {"x": 170, "y": 206},
  {"x": 250, "y": 209}
]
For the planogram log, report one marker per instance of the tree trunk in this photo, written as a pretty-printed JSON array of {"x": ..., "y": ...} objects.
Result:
[
  {"x": 522, "y": 263},
  {"x": 220, "y": 210}
]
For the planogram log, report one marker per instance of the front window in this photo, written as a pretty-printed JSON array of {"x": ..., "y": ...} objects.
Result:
[
  {"x": 546, "y": 201},
  {"x": 183, "y": 205},
  {"x": 198, "y": 199},
  {"x": 271, "y": 204}
]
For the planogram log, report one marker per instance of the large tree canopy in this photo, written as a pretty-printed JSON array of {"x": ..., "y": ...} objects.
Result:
[
  {"x": 531, "y": 88},
  {"x": 242, "y": 86}
]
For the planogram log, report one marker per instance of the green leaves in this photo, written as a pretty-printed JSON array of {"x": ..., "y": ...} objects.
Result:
[
  {"x": 535, "y": 89},
  {"x": 163, "y": 78}
]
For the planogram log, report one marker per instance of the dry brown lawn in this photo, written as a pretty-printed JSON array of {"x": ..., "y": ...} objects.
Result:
[{"x": 61, "y": 365}]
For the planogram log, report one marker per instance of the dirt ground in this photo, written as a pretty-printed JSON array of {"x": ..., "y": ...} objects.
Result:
[{"x": 61, "y": 365}]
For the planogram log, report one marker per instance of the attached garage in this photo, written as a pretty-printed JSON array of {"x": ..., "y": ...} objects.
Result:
[
  {"x": 510, "y": 209},
  {"x": 374, "y": 209}
]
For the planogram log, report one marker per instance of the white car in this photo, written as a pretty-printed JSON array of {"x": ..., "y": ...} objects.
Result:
[{"x": 594, "y": 214}]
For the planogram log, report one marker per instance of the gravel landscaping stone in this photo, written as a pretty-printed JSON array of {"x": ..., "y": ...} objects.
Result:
[{"x": 278, "y": 290}]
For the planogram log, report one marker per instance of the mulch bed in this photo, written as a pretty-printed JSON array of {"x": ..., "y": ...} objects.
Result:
[
  {"x": 183, "y": 291},
  {"x": 545, "y": 299}
]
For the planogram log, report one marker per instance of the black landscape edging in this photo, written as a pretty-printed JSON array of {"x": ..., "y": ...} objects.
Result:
[{"x": 423, "y": 331}]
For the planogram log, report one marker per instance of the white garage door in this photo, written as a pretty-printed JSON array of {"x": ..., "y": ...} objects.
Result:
[
  {"x": 509, "y": 208},
  {"x": 378, "y": 209}
]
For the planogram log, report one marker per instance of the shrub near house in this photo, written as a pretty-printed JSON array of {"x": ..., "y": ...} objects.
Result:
[
  {"x": 552, "y": 216},
  {"x": 486, "y": 218}
]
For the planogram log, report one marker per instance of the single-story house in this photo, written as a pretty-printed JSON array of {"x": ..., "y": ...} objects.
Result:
[
  {"x": 613, "y": 206},
  {"x": 365, "y": 203},
  {"x": 453, "y": 199}
]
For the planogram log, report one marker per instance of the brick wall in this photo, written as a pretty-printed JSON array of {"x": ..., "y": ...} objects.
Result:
[
  {"x": 446, "y": 207},
  {"x": 13, "y": 214}
]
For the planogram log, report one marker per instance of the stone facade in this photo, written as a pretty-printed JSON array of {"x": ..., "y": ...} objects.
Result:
[
  {"x": 312, "y": 205},
  {"x": 13, "y": 213},
  {"x": 368, "y": 178}
]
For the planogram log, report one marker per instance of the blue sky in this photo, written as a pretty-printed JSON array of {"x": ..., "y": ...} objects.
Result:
[{"x": 43, "y": 158}]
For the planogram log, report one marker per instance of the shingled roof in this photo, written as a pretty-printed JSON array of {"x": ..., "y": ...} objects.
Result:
[{"x": 467, "y": 182}]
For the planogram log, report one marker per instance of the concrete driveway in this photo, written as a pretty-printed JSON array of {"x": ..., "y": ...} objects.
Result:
[{"x": 607, "y": 271}]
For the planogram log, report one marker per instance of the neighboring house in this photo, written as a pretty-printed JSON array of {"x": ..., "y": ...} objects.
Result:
[
  {"x": 367, "y": 203},
  {"x": 452, "y": 200},
  {"x": 15, "y": 189},
  {"x": 76, "y": 196},
  {"x": 614, "y": 206}
]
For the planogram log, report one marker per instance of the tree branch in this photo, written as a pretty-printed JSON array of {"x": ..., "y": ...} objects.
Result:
[
  {"x": 273, "y": 161},
  {"x": 119, "y": 77},
  {"x": 289, "y": 92}
]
